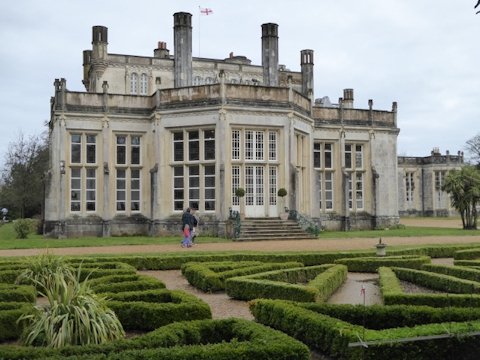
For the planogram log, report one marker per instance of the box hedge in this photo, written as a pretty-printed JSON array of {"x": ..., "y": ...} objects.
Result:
[
  {"x": 151, "y": 309},
  {"x": 203, "y": 339},
  {"x": 125, "y": 283},
  {"x": 393, "y": 294},
  {"x": 333, "y": 336},
  {"x": 306, "y": 284},
  {"x": 212, "y": 276},
  {"x": 371, "y": 264}
]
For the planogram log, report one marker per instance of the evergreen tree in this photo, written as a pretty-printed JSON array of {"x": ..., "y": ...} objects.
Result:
[
  {"x": 464, "y": 189},
  {"x": 21, "y": 189}
]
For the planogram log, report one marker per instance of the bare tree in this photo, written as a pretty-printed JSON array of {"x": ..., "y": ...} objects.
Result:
[
  {"x": 472, "y": 146},
  {"x": 26, "y": 161},
  {"x": 478, "y": 3}
]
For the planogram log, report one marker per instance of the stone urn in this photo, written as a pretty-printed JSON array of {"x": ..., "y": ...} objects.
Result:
[{"x": 381, "y": 248}]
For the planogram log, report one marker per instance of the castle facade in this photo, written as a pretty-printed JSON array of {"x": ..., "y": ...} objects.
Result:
[{"x": 152, "y": 136}]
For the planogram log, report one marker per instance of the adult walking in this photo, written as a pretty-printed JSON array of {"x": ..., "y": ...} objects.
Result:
[
  {"x": 196, "y": 221},
  {"x": 4, "y": 213},
  {"x": 188, "y": 219}
]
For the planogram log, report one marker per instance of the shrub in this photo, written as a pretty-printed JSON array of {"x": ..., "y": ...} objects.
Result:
[
  {"x": 75, "y": 315},
  {"x": 23, "y": 227},
  {"x": 282, "y": 192},
  {"x": 240, "y": 192},
  {"x": 38, "y": 270}
]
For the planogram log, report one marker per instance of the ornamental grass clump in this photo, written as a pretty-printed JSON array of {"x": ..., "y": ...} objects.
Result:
[{"x": 74, "y": 314}]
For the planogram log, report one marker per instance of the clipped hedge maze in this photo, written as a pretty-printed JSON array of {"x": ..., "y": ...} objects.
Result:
[
  {"x": 205, "y": 339},
  {"x": 337, "y": 329},
  {"x": 211, "y": 276},
  {"x": 371, "y": 264},
  {"x": 462, "y": 293},
  {"x": 305, "y": 284},
  {"x": 151, "y": 309}
]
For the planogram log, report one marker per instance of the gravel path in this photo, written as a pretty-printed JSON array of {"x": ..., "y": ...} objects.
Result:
[{"x": 222, "y": 306}]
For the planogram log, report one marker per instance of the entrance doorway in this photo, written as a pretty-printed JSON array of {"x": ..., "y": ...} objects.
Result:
[{"x": 254, "y": 191}]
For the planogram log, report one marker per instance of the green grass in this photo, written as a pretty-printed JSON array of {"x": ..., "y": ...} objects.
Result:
[
  {"x": 8, "y": 240},
  {"x": 8, "y": 237},
  {"x": 406, "y": 232}
]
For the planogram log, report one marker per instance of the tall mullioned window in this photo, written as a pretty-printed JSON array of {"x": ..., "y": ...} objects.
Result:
[
  {"x": 194, "y": 170},
  {"x": 440, "y": 196},
  {"x": 410, "y": 188},
  {"x": 254, "y": 145},
  {"x": 134, "y": 84},
  {"x": 354, "y": 166},
  {"x": 235, "y": 184},
  {"x": 235, "y": 144},
  {"x": 128, "y": 173},
  {"x": 143, "y": 84},
  {"x": 324, "y": 164},
  {"x": 272, "y": 146},
  {"x": 83, "y": 172}
]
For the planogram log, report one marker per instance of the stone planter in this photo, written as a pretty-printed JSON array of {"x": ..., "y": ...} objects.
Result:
[
  {"x": 381, "y": 249},
  {"x": 284, "y": 216}
]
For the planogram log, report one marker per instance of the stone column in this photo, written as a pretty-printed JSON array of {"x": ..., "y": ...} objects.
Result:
[
  {"x": 182, "y": 33},
  {"x": 270, "y": 54}
]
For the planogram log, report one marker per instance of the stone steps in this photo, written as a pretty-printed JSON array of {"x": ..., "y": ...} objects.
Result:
[{"x": 261, "y": 229}]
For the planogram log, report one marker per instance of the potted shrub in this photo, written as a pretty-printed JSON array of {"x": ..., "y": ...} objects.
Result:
[
  {"x": 282, "y": 192},
  {"x": 240, "y": 192}
]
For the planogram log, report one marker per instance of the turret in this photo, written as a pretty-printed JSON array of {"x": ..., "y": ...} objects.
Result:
[
  {"x": 306, "y": 64},
  {"x": 182, "y": 36},
  {"x": 99, "y": 54},
  {"x": 270, "y": 54}
]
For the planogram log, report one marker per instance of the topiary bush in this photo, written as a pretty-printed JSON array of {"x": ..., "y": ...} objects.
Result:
[{"x": 23, "y": 227}]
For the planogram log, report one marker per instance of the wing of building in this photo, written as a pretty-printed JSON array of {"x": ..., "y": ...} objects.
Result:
[{"x": 152, "y": 136}]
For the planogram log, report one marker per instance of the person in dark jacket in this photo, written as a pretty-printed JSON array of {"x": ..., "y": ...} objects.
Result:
[{"x": 188, "y": 219}]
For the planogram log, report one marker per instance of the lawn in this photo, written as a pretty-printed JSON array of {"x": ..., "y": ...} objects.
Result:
[
  {"x": 8, "y": 237},
  {"x": 8, "y": 240}
]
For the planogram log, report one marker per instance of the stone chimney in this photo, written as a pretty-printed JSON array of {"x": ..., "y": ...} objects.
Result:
[
  {"x": 162, "y": 51},
  {"x": 306, "y": 64},
  {"x": 348, "y": 98},
  {"x": 182, "y": 37},
  {"x": 270, "y": 54}
]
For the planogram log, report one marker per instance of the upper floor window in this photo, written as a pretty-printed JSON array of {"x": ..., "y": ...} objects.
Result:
[
  {"x": 272, "y": 146},
  {"x": 208, "y": 81},
  {"x": 236, "y": 144},
  {"x": 197, "y": 81},
  {"x": 128, "y": 150},
  {"x": 200, "y": 145},
  {"x": 323, "y": 155},
  {"x": 83, "y": 144},
  {"x": 133, "y": 83},
  {"x": 254, "y": 145},
  {"x": 144, "y": 84},
  {"x": 353, "y": 156}
]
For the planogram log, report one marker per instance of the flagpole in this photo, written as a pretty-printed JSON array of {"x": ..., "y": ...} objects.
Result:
[{"x": 199, "y": 16}]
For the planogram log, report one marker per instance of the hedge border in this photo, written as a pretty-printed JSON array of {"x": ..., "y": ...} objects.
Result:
[
  {"x": 205, "y": 277},
  {"x": 332, "y": 335},
  {"x": 207, "y": 339},
  {"x": 280, "y": 284},
  {"x": 393, "y": 294},
  {"x": 371, "y": 264}
]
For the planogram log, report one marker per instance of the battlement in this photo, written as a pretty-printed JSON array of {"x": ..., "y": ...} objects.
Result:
[{"x": 434, "y": 159}]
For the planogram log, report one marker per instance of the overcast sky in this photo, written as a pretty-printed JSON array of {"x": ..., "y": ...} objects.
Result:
[{"x": 422, "y": 54}]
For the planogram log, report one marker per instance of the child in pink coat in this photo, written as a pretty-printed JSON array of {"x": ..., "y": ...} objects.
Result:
[{"x": 186, "y": 237}]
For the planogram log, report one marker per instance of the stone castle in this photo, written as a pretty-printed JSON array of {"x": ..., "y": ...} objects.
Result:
[{"x": 152, "y": 136}]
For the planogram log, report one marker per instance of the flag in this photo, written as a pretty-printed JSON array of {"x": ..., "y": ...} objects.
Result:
[
  {"x": 206, "y": 11},
  {"x": 362, "y": 292}
]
